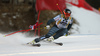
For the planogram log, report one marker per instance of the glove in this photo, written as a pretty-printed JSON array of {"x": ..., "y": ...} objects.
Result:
[
  {"x": 65, "y": 34},
  {"x": 32, "y": 27},
  {"x": 48, "y": 27}
]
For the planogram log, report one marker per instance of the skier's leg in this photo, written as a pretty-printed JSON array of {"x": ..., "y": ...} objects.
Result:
[
  {"x": 36, "y": 40},
  {"x": 50, "y": 33},
  {"x": 40, "y": 39},
  {"x": 60, "y": 33}
]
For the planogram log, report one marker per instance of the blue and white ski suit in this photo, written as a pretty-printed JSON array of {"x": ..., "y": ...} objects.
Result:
[{"x": 61, "y": 26}]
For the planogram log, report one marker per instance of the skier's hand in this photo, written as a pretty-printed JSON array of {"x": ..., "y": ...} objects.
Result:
[
  {"x": 31, "y": 27},
  {"x": 48, "y": 27}
]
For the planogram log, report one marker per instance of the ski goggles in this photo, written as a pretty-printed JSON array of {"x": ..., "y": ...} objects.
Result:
[{"x": 66, "y": 14}]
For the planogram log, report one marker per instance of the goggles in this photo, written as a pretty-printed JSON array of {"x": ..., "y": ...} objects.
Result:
[{"x": 67, "y": 14}]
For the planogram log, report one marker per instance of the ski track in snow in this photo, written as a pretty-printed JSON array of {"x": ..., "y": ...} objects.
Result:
[{"x": 80, "y": 45}]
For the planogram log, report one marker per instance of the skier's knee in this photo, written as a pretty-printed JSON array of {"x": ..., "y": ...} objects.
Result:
[{"x": 37, "y": 40}]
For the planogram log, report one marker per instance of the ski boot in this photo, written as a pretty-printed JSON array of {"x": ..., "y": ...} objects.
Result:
[
  {"x": 32, "y": 42},
  {"x": 51, "y": 39}
]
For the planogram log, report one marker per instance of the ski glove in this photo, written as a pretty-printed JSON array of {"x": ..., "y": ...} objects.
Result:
[
  {"x": 32, "y": 27},
  {"x": 48, "y": 27}
]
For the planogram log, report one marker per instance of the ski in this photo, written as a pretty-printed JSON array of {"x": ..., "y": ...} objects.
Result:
[
  {"x": 38, "y": 45},
  {"x": 53, "y": 42},
  {"x": 58, "y": 43}
]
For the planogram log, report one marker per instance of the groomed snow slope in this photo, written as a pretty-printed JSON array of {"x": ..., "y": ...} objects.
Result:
[{"x": 74, "y": 45}]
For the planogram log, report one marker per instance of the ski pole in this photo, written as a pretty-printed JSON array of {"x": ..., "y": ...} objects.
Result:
[
  {"x": 59, "y": 8},
  {"x": 16, "y": 32},
  {"x": 23, "y": 31}
]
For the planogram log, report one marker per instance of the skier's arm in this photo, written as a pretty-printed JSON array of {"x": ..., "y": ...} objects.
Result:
[
  {"x": 50, "y": 21},
  {"x": 53, "y": 19},
  {"x": 70, "y": 25}
]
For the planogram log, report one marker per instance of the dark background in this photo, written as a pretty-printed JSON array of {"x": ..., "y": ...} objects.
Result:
[
  {"x": 94, "y": 3},
  {"x": 17, "y": 15}
]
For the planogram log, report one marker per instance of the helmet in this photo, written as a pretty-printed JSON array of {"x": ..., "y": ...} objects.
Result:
[{"x": 67, "y": 12}]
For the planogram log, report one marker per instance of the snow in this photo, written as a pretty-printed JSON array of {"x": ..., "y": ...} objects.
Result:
[
  {"x": 88, "y": 21},
  {"x": 74, "y": 45},
  {"x": 86, "y": 42}
]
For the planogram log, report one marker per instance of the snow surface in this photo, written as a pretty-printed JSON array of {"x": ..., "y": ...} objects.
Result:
[
  {"x": 86, "y": 42},
  {"x": 89, "y": 22},
  {"x": 74, "y": 45}
]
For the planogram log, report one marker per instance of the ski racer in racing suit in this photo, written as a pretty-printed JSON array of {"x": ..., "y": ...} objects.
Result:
[{"x": 63, "y": 24}]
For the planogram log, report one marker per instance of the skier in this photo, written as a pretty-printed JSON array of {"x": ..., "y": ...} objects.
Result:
[{"x": 63, "y": 24}]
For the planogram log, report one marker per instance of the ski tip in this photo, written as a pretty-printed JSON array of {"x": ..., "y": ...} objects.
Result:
[
  {"x": 39, "y": 45},
  {"x": 61, "y": 44}
]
